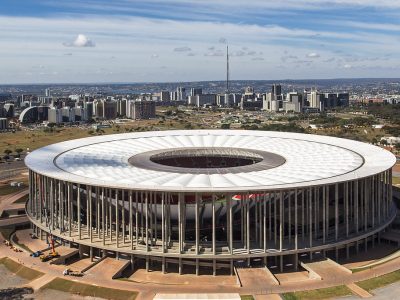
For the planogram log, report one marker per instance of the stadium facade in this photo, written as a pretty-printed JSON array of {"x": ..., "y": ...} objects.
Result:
[{"x": 210, "y": 199}]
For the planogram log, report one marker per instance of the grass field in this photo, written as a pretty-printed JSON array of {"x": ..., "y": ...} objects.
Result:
[
  {"x": 82, "y": 289},
  {"x": 19, "y": 269},
  {"x": 35, "y": 139},
  {"x": 7, "y": 189},
  {"x": 377, "y": 282},
  {"x": 23, "y": 199},
  {"x": 327, "y": 293},
  {"x": 395, "y": 180}
]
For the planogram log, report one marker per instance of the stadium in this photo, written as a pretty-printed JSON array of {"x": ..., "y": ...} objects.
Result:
[{"x": 209, "y": 200}]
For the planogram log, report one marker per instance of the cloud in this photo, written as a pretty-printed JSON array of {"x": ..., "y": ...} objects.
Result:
[
  {"x": 222, "y": 40},
  {"x": 80, "y": 42},
  {"x": 67, "y": 54},
  {"x": 347, "y": 66},
  {"x": 215, "y": 53},
  {"x": 285, "y": 58},
  {"x": 182, "y": 49},
  {"x": 313, "y": 55},
  {"x": 238, "y": 53},
  {"x": 329, "y": 60},
  {"x": 154, "y": 56},
  {"x": 257, "y": 58},
  {"x": 191, "y": 54}
]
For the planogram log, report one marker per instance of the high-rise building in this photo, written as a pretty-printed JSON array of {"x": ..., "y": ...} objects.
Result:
[
  {"x": 142, "y": 110},
  {"x": 202, "y": 99},
  {"x": 316, "y": 100},
  {"x": 276, "y": 89},
  {"x": 105, "y": 109},
  {"x": 196, "y": 91},
  {"x": 54, "y": 116},
  {"x": 121, "y": 108},
  {"x": 3, "y": 123},
  {"x": 293, "y": 102},
  {"x": 165, "y": 96},
  {"x": 180, "y": 94},
  {"x": 9, "y": 109}
]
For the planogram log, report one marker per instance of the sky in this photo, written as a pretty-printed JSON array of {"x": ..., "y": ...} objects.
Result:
[{"x": 98, "y": 41}]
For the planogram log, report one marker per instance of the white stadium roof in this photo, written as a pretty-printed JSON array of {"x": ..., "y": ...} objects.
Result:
[{"x": 309, "y": 160}]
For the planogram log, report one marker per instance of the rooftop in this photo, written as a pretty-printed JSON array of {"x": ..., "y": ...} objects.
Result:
[{"x": 220, "y": 160}]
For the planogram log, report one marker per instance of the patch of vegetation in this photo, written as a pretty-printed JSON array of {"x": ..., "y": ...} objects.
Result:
[
  {"x": 82, "y": 289},
  {"x": 377, "y": 282},
  {"x": 326, "y": 293},
  {"x": 20, "y": 270},
  {"x": 23, "y": 199},
  {"x": 7, "y": 189},
  {"x": 246, "y": 297},
  {"x": 291, "y": 127}
]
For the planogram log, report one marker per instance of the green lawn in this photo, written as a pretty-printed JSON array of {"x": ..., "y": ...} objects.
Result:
[
  {"x": 7, "y": 189},
  {"x": 82, "y": 289},
  {"x": 23, "y": 199},
  {"x": 332, "y": 292},
  {"x": 19, "y": 269},
  {"x": 377, "y": 282},
  {"x": 395, "y": 180}
]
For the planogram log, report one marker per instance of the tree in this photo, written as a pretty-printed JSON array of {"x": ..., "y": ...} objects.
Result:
[
  {"x": 7, "y": 152},
  {"x": 225, "y": 126},
  {"x": 19, "y": 151}
]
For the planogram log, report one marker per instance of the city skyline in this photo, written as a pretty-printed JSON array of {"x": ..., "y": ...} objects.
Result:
[{"x": 182, "y": 40}]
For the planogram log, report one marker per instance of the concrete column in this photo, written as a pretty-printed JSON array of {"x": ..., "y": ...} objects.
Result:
[
  {"x": 180, "y": 266},
  {"x": 214, "y": 250},
  {"x": 289, "y": 216},
  {"x": 214, "y": 267},
  {"x": 265, "y": 222},
  {"x": 87, "y": 211},
  {"x": 163, "y": 225},
  {"x": 69, "y": 210},
  {"x": 197, "y": 225},
  {"x": 248, "y": 246},
  {"x": 230, "y": 224},
  {"x": 137, "y": 218},
  {"x": 346, "y": 206},
  {"x": 123, "y": 215},
  {"x": 130, "y": 219},
  {"x": 280, "y": 221},
  {"x": 147, "y": 224},
  {"x": 310, "y": 218},
  {"x": 336, "y": 211},
  {"x": 117, "y": 217},
  {"x": 90, "y": 225},
  {"x": 103, "y": 230},
  {"x": 79, "y": 211},
  {"x": 296, "y": 237},
  {"x": 356, "y": 213}
]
